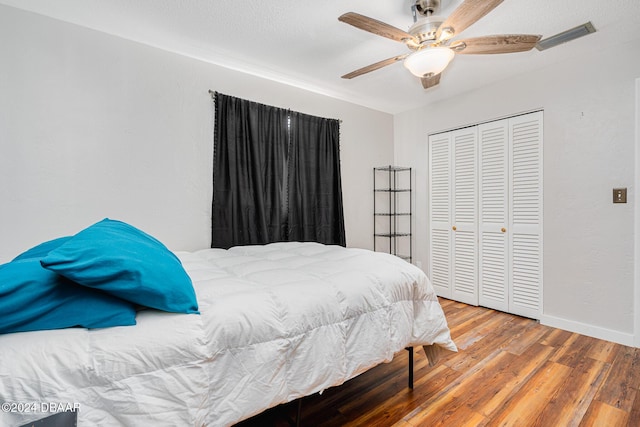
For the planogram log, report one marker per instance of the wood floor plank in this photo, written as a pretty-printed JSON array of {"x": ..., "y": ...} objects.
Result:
[
  {"x": 462, "y": 416},
  {"x": 573, "y": 354},
  {"x": 458, "y": 313},
  {"x": 603, "y": 415},
  {"x": 501, "y": 337},
  {"x": 509, "y": 371},
  {"x": 444, "y": 401},
  {"x": 394, "y": 409},
  {"x": 401, "y": 423},
  {"x": 484, "y": 388},
  {"x": 557, "y": 337},
  {"x": 604, "y": 351},
  {"x": 530, "y": 401},
  {"x": 621, "y": 384},
  {"x": 568, "y": 406},
  {"x": 522, "y": 369},
  {"x": 634, "y": 377},
  {"x": 635, "y": 410},
  {"x": 469, "y": 322},
  {"x": 482, "y": 328},
  {"x": 566, "y": 347},
  {"x": 532, "y": 334}
]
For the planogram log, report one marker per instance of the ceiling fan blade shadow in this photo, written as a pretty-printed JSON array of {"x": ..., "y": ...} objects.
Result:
[
  {"x": 376, "y": 66},
  {"x": 376, "y": 27},
  {"x": 430, "y": 81},
  {"x": 503, "y": 43},
  {"x": 464, "y": 16}
]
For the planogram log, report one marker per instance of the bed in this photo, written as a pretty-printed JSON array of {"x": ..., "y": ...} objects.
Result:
[{"x": 275, "y": 323}]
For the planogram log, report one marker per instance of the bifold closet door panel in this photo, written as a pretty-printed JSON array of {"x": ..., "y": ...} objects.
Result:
[
  {"x": 440, "y": 213},
  {"x": 453, "y": 214},
  {"x": 510, "y": 215},
  {"x": 525, "y": 200},
  {"x": 493, "y": 214},
  {"x": 464, "y": 216}
]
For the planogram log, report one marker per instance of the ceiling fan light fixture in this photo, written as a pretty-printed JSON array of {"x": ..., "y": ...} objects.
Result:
[{"x": 430, "y": 60}]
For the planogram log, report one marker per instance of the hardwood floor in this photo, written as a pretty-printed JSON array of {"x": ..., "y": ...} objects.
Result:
[{"x": 509, "y": 371}]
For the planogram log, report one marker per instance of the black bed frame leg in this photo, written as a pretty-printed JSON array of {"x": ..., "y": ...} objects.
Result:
[
  {"x": 299, "y": 414},
  {"x": 410, "y": 350},
  {"x": 297, "y": 421}
]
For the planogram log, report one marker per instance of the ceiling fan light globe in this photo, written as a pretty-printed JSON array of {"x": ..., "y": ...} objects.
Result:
[{"x": 428, "y": 61}]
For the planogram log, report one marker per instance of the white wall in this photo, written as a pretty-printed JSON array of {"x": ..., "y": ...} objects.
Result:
[
  {"x": 94, "y": 126},
  {"x": 589, "y": 134}
]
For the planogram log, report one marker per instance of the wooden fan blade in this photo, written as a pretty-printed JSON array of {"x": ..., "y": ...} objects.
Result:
[
  {"x": 505, "y": 43},
  {"x": 376, "y": 27},
  {"x": 431, "y": 80},
  {"x": 464, "y": 16},
  {"x": 373, "y": 67}
]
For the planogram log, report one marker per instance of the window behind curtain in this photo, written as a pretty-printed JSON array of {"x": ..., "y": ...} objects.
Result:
[{"x": 276, "y": 176}]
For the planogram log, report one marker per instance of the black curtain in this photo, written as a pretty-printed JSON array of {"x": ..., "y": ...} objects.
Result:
[
  {"x": 315, "y": 190},
  {"x": 249, "y": 163},
  {"x": 276, "y": 176}
]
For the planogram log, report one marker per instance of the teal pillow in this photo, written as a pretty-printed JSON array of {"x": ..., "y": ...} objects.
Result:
[
  {"x": 119, "y": 259},
  {"x": 42, "y": 249},
  {"x": 32, "y": 299}
]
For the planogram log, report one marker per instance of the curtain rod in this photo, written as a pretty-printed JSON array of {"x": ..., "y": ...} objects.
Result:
[{"x": 213, "y": 93}]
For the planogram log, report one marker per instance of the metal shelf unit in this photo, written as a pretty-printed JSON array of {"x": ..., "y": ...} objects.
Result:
[{"x": 392, "y": 211}]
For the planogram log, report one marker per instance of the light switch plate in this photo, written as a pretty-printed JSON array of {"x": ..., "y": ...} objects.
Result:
[{"x": 619, "y": 195}]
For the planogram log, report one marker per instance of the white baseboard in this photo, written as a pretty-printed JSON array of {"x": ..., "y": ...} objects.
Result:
[{"x": 589, "y": 330}]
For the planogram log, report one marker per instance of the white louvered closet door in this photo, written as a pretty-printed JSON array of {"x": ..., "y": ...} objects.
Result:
[
  {"x": 464, "y": 255},
  {"x": 440, "y": 213},
  {"x": 493, "y": 214},
  {"x": 525, "y": 201},
  {"x": 453, "y": 215},
  {"x": 486, "y": 214}
]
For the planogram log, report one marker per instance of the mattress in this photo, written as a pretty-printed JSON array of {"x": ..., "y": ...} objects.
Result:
[{"x": 277, "y": 322}]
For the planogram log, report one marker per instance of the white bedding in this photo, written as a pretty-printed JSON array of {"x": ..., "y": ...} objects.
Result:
[{"x": 277, "y": 322}]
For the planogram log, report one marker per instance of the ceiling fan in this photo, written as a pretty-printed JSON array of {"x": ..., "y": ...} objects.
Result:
[{"x": 430, "y": 38}]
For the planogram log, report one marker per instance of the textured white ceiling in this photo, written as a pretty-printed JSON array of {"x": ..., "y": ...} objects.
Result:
[{"x": 301, "y": 42}]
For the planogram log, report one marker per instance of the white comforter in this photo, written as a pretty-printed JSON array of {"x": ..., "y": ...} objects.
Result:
[{"x": 277, "y": 322}]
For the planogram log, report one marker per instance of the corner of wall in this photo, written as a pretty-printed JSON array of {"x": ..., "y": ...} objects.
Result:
[{"x": 636, "y": 222}]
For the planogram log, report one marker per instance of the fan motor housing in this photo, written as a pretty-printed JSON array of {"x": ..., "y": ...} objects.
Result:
[
  {"x": 427, "y": 7},
  {"x": 424, "y": 29}
]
